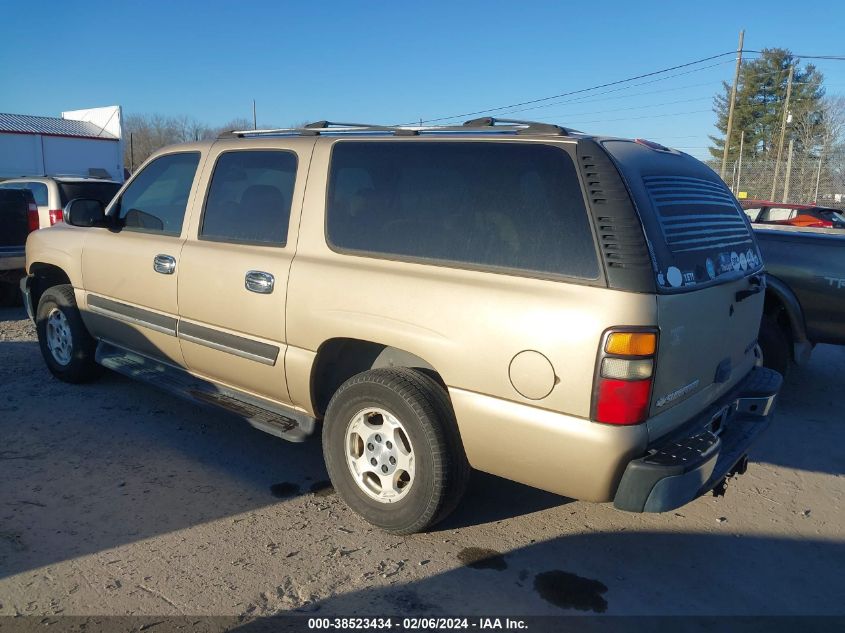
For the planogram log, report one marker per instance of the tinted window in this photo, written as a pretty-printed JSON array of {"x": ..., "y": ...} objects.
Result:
[
  {"x": 102, "y": 191},
  {"x": 509, "y": 205},
  {"x": 155, "y": 201},
  {"x": 38, "y": 189},
  {"x": 249, "y": 198},
  {"x": 697, "y": 232},
  {"x": 39, "y": 192}
]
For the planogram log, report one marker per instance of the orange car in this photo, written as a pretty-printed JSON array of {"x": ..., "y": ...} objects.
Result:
[{"x": 767, "y": 212}]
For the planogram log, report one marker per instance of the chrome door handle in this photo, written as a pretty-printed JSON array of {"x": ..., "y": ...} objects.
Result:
[
  {"x": 260, "y": 282},
  {"x": 164, "y": 264}
]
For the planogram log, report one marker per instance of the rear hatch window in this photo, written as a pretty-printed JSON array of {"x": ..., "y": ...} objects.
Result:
[
  {"x": 102, "y": 191},
  {"x": 697, "y": 233}
]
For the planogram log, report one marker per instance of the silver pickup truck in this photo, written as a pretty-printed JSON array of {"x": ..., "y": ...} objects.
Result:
[{"x": 805, "y": 293}]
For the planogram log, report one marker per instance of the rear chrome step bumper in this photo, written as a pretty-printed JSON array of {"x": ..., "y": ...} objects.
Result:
[{"x": 707, "y": 450}]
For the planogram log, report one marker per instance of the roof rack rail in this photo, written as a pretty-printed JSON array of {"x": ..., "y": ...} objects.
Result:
[
  {"x": 530, "y": 126},
  {"x": 486, "y": 124}
]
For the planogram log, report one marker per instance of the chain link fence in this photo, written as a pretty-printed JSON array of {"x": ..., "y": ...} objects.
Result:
[{"x": 803, "y": 179}]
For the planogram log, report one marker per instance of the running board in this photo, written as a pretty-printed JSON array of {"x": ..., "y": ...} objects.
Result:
[{"x": 271, "y": 418}]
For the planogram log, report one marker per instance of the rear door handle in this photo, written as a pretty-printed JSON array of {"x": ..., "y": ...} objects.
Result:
[
  {"x": 260, "y": 282},
  {"x": 164, "y": 264}
]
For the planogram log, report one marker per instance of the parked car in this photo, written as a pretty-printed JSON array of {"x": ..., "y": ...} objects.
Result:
[
  {"x": 52, "y": 193},
  {"x": 515, "y": 297},
  {"x": 805, "y": 293},
  {"x": 766, "y": 212},
  {"x": 18, "y": 217}
]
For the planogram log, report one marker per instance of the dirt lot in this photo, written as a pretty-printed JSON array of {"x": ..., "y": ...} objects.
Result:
[{"x": 116, "y": 499}]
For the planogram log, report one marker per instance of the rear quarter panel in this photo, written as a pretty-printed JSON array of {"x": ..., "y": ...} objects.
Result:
[{"x": 467, "y": 324}]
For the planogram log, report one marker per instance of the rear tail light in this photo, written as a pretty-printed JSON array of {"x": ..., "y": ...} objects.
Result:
[
  {"x": 56, "y": 215},
  {"x": 624, "y": 376},
  {"x": 32, "y": 217}
]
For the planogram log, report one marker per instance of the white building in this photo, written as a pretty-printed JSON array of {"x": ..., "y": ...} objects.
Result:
[{"x": 80, "y": 143}]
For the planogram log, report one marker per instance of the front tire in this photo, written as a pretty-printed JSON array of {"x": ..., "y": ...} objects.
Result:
[
  {"x": 393, "y": 451},
  {"x": 67, "y": 347}
]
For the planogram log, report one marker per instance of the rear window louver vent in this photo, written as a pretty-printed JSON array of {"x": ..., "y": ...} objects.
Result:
[
  {"x": 620, "y": 234},
  {"x": 697, "y": 214}
]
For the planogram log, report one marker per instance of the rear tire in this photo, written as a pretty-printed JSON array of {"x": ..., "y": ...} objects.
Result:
[
  {"x": 775, "y": 344},
  {"x": 407, "y": 404},
  {"x": 67, "y": 347}
]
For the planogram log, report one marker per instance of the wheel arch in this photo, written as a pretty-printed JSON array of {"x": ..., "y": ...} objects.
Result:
[
  {"x": 338, "y": 359},
  {"x": 44, "y": 276},
  {"x": 782, "y": 304}
]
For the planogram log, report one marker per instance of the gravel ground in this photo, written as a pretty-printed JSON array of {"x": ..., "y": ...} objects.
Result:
[{"x": 117, "y": 499}]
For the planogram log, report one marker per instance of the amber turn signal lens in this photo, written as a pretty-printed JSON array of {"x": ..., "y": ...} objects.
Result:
[{"x": 631, "y": 343}]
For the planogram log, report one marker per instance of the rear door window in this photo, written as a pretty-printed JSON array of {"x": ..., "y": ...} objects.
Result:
[
  {"x": 514, "y": 206},
  {"x": 696, "y": 230},
  {"x": 250, "y": 197}
]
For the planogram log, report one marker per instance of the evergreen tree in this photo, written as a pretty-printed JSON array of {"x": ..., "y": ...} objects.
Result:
[{"x": 761, "y": 92}]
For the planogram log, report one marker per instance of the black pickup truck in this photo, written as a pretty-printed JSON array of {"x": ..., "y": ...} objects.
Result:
[
  {"x": 18, "y": 217},
  {"x": 805, "y": 292}
]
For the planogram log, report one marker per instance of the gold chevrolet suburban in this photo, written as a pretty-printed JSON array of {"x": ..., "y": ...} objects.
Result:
[{"x": 572, "y": 312}]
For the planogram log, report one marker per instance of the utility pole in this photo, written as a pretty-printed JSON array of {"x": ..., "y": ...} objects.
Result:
[
  {"x": 739, "y": 165},
  {"x": 782, "y": 130},
  {"x": 731, "y": 106},
  {"x": 254, "y": 119},
  {"x": 131, "y": 152},
  {"x": 788, "y": 172},
  {"x": 818, "y": 177}
]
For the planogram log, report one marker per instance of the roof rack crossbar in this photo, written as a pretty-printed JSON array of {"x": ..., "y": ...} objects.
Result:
[{"x": 530, "y": 126}]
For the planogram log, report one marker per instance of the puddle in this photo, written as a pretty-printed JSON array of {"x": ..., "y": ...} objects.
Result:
[
  {"x": 322, "y": 488},
  {"x": 570, "y": 591},
  {"x": 481, "y": 558},
  {"x": 284, "y": 490}
]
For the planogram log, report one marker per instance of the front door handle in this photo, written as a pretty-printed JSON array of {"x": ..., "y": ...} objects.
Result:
[
  {"x": 164, "y": 264},
  {"x": 260, "y": 282}
]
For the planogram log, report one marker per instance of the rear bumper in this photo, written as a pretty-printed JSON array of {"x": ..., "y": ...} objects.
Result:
[{"x": 704, "y": 452}]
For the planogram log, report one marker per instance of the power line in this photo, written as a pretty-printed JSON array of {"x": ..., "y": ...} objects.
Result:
[
  {"x": 548, "y": 105},
  {"x": 828, "y": 57},
  {"x": 580, "y": 91}
]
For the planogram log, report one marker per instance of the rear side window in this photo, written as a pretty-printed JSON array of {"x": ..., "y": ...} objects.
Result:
[
  {"x": 482, "y": 204},
  {"x": 249, "y": 198},
  {"x": 39, "y": 192},
  {"x": 697, "y": 232},
  {"x": 38, "y": 189},
  {"x": 155, "y": 201},
  {"x": 102, "y": 191}
]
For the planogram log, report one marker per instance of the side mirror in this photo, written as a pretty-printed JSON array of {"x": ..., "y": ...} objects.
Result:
[{"x": 85, "y": 212}]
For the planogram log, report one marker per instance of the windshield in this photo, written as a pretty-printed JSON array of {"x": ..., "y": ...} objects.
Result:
[
  {"x": 697, "y": 233},
  {"x": 102, "y": 191}
]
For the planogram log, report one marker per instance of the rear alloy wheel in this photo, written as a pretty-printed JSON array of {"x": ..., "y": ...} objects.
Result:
[
  {"x": 392, "y": 449},
  {"x": 67, "y": 347}
]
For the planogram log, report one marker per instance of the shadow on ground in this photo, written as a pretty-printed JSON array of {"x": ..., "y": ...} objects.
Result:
[
  {"x": 808, "y": 430},
  {"x": 90, "y": 467},
  {"x": 631, "y": 573}
]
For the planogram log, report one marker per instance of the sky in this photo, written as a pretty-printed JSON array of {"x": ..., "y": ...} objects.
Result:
[{"x": 399, "y": 62}]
